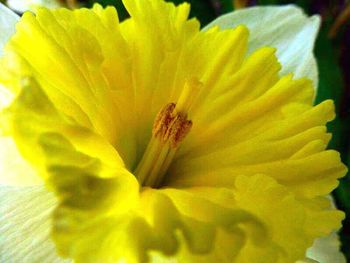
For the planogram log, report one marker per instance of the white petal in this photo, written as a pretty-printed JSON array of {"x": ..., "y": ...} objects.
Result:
[
  {"x": 14, "y": 170},
  {"x": 25, "y": 225},
  {"x": 286, "y": 28},
  {"x": 22, "y": 6},
  {"x": 326, "y": 250},
  {"x": 8, "y": 20}
]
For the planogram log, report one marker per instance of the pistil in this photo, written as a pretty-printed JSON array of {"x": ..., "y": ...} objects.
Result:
[{"x": 170, "y": 127}]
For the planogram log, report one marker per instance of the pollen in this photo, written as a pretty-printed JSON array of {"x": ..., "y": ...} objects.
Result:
[{"x": 171, "y": 126}]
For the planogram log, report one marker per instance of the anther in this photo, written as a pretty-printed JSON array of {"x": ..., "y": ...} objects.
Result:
[{"x": 171, "y": 126}]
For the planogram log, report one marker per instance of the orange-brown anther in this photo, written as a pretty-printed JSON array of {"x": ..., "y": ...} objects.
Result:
[{"x": 171, "y": 126}]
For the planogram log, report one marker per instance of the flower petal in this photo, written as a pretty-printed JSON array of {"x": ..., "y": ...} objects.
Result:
[
  {"x": 25, "y": 225},
  {"x": 313, "y": 218},
  {"x": 88, "y": 226},
  {"x": 288, "y": 236},
  {"x": 14, "y": 170},
  {"x": 73, "y": 64},
  {"x": 326, "y": 250},
  {"x": 286, "y": 28},
  {"x": 5, "y": 97},
  {"x": 56, "y": 139},
  {"x": 22, "y": 6},
  {"x": 81, "y": 167},
  {"x": 8, "y": 20}
]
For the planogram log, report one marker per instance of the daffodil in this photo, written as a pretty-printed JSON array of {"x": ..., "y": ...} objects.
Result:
[{"x": 153, "y": 140}]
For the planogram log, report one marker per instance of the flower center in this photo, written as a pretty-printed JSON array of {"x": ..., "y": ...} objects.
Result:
[{"x": 170, "y": 127}]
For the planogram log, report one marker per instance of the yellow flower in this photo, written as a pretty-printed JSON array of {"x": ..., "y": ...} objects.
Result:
[{"x": 161, "y": 141}]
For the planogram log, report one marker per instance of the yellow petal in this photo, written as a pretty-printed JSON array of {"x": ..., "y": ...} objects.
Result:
[
  {"x": 275, "y": 131},
  {"x": 36, "y": 125},
  {"x": 72, "y": 71},
  {"x": 292, "y": 232}
]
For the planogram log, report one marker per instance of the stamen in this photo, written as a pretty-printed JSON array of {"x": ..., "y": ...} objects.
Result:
[
  {"x": 171, "y": 126},
  {"x": 169, "y": 129}
]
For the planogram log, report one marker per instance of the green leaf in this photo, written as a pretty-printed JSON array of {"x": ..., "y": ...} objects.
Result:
[
  {"x": 332, "y": 87},
  {"x": 204, "y": 10},
  {"x": 226, "y": 6},
  {"x": 330, "y": 84}
]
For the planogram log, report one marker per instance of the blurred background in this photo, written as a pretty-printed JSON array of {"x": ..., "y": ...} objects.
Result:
[{"x": 333, "y": 56}]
